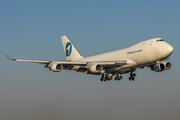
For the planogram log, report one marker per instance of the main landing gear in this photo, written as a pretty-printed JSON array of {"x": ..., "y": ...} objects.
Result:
[
  {"x": 117, "y": 77},
  {"x": 107, "y": 77}
]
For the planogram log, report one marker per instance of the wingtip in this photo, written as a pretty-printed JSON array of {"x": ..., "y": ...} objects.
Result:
[{"x": 8, "y": 57}]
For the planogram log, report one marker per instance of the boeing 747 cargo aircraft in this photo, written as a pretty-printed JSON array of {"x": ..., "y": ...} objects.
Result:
[{"x": 150, "y": 53}]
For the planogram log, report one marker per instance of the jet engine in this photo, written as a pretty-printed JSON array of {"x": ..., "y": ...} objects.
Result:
[
  {"x": 96, "y": 69},
  {"x": 56, "y": 67},
  {"x": 167, "y": 65},
  {"x": 158, "y": 67}
]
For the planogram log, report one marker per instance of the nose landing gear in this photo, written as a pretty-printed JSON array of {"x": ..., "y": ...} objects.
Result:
[{"x": 132, "y": 76}]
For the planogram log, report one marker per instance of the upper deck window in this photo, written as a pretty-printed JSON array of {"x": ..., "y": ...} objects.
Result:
[{"x": 160, "y": 40}]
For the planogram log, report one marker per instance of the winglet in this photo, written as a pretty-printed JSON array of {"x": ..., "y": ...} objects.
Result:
[{"x": 8, "y": 57}]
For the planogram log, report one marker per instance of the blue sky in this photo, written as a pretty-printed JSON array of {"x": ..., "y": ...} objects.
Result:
[{"x": 32, "y": 30}]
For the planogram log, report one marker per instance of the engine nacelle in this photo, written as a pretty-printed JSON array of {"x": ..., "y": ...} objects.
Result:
[
  {"x": 167, "y": 65},
  {"x": 96, "y": 69},
  {"x": 158, "y": 67},
  {"x": 56, "y": 67}
]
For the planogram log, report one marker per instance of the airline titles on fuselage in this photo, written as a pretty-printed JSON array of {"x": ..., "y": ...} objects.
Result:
[{"x": 132, "y": 52}]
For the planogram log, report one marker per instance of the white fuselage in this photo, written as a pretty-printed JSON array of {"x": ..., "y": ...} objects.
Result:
[{"x": 142, "y": 54}]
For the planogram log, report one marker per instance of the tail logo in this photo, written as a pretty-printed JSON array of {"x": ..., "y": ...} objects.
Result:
[{"x": 68, "y": 49}]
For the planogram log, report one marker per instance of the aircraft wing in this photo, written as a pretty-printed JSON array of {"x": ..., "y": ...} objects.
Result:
[
  {"x": 33, "y": 61},
  {"x": 47, "y": 62},
  {"x": 74, "y": 63}
]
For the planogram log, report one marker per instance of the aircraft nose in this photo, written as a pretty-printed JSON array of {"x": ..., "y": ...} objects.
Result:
[
  {"x": 165, "y": 49},
  {"x": 170, "y": 49}
]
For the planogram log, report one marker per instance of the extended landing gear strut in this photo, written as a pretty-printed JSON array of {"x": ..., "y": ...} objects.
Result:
[{"x": 132, "y": 75}]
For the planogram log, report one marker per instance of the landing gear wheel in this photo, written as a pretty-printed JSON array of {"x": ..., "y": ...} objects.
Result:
[
  {"x": 130, "y": 78},
  {"x": 134, "y": 74},
  {"x": 131, "y": 74},
  {"x": 104, "y": 79},
  {"x": 102, "y": 75},
  {"x": 108, "y": 78}
]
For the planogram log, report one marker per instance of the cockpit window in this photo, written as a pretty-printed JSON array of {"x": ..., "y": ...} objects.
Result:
[{"x": 160, "y": 40}]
